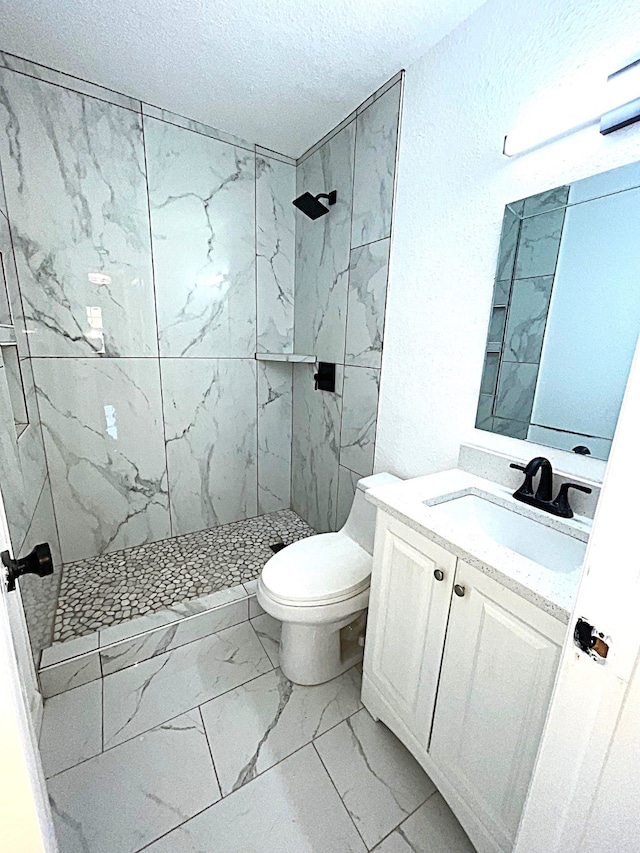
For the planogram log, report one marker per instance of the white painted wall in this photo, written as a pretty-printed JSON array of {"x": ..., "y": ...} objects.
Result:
[{"x": 505, "y": 66}]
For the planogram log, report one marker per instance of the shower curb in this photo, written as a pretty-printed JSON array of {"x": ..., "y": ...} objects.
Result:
[{"x": 114, "y": 648}]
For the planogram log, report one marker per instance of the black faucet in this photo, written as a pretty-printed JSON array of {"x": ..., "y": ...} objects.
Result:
[{"x": 542, "y": 499}]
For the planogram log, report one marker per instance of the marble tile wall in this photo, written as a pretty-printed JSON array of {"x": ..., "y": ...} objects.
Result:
[
  {"x": 154, "y": 257},
  {"x": 340, "y": 294},
  {"x": 529, "y": 245},
  {"x": 275, "y": 250},
  {"x": 25, "y": 486}
]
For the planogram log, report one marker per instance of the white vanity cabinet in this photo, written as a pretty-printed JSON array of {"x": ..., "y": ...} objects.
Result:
[
  {"x": 463, "y": 679},
  {"x": 500, "y": 659},
  {"x": 410, "y": 592}
]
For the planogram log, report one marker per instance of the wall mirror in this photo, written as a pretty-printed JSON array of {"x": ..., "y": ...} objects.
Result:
[{"x": 565, "y": 316}]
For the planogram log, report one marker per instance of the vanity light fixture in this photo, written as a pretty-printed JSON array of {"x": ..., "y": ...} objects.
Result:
[
  {"x": 623, "y": 99},
  {"x": 620, "y": 108}
]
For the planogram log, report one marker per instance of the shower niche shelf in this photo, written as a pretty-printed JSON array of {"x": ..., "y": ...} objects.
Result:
[{"x": 298, "y": 358}]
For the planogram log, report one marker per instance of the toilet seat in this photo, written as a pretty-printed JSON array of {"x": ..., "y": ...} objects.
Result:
[{"x": 324, "y": 569}]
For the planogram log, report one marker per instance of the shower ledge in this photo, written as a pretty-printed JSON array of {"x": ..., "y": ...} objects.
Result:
[{"x": 286, "y": 356}]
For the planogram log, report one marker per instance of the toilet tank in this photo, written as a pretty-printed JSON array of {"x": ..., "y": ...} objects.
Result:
[{"x": 361, "y": 523}]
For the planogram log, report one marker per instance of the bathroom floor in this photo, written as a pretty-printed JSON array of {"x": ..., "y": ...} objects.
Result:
[
  {"x": 116, "y": 587},
  {"x": 209, "y": 749}
]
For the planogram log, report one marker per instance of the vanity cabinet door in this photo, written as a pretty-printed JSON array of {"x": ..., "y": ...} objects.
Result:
[
  {"x": 500, "y": 660},
  {"x": 410, "y": 592}
]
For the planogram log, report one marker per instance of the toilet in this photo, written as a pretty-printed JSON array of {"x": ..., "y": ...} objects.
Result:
[{"x": 319, "y": 589}]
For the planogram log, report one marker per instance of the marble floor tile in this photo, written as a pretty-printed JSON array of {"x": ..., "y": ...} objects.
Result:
[
  {"x": 129, "y": 796},
  {"x": 433, "y": 828},
  {"x": 379, "y": 781},
  {"x": 292, "y": 808},
  {"x": 268, "y": 630},
  {"x": 140, "y": 697},
  {"x": 254, "y": 727},
  {"x": 71, "y": 728}
]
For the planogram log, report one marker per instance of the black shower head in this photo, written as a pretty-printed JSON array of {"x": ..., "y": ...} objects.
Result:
[{"x": 313, "y": 208}]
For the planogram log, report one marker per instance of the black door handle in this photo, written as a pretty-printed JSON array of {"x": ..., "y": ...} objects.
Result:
[{"x": 38, "y": 562}]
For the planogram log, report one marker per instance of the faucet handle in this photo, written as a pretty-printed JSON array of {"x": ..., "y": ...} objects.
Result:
[
  {"x": 526, "y": 489},
  {"x": 561, "y": 503}
]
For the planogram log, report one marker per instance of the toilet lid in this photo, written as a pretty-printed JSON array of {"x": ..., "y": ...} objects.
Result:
[{"x": 322, "y": 569}]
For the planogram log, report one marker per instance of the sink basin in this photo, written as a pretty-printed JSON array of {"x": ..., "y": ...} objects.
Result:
[{"x": 546, "y": 546}]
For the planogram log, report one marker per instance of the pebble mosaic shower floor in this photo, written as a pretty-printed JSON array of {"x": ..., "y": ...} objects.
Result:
[{"x": 116, "y": 587}]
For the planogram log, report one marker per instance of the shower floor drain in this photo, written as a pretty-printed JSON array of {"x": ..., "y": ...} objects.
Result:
[{"x": 277, "y": 546}]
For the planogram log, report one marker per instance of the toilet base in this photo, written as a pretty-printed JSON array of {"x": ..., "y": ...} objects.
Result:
[{"x": 313, "y": 654}]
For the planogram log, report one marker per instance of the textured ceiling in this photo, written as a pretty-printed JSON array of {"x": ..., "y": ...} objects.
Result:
[{"x": 278, "y": 72}]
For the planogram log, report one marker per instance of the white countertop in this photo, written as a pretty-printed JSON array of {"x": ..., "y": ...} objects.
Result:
[{"x": 551, "y": 591}]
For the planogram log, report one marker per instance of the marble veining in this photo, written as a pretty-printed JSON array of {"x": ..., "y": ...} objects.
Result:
[
  {"x": 275, "y": 401},
  {"x": 258, "y": 724},
  {"x": 366, "y": 304},
  {"x": 127, "y": 797},
  {"x": 316, "y": 448},
  {"x": 76, "y": 84},
  {"x": 202, "y": 201},
  {"x": 516, "y": 391},
  {"x": 292, "y": 807},
  {"x": 539, "y": 244},
  {"x": 275, "y": 249},
  {"x": 299, "y": 767},
  {"x": 102, "y": 423},
  {"x": 194, "y": 126},
  {"x": 527, "y": 319},
  {"x": 547, "y": 200},
  {"x": 322, "y": 250},
  {"x": 211, "y": 439},
  {"x": 508, "y": 245},
  {"x": 378, "y": 781},
  {"x": 158, "y": 689},
  {"x": 359, "y": 415},
  {"x": 432, "y": 827},
  {"x": 74, "y": 179},
  {"x": 375, "y": 164}
]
